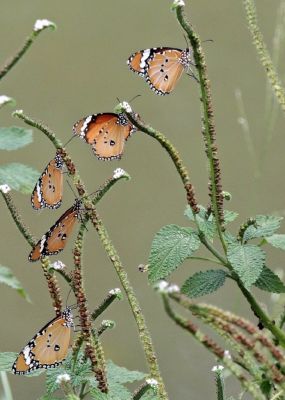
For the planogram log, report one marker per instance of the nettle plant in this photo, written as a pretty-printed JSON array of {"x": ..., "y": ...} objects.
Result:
[{"x": 256, "y": 357}]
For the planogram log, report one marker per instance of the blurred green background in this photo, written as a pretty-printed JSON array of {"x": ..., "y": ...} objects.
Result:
[{"x": 81, "y": 69}]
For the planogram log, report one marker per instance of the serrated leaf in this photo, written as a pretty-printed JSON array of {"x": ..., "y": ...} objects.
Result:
[
  {"x": 277, "y": 240},
  {"x": 247, "y": 261},
  {"x": 14, "y": 137},
  {"x": 19, "y": 177},
  {"x": 203, "y": 283},
  {"x": 7, "y": 277},
  {"x": 269, "y": 281},
  {"x": 229, "y": 216},
  {"x": 266, "y": 225},
  {"x": 122, "y": 375},
  {"x": 96, "y": 394},
  {"x": 170, "y": 247},
  {"x": 229, "y": 238}
]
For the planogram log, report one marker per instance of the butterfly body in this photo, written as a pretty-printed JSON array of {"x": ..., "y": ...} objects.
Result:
[
  {"x": 48, "y": 348},
  {"x": 161, "y": 67},
  {"x": 54, "y": 240},
  {"x": 48, "y": 190},
  {"x": 106, "y": 133}
]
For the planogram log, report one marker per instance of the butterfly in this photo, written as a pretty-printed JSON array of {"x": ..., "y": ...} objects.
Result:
[
  {"x": 106, "y": 133},
  {"x": 48, "y": 189},
  {"x": 48, "y": 348},
  {"x": 161, "y": 67},
  {"x": 54, "y": 240}
]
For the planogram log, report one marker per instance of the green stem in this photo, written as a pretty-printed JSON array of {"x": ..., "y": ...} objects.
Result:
[
  {"x": 172, "y": 152},
  {"x": 263, "y": 53},
  {"x": 134, "y": 304},
  {"x": 212, "y": 346},
  {"x": 29, "y": 41},
  {"x": 112, "y": 295},
  {"x": 258, "y": 311},
  {"x": 212, "y": 260},
  {"x": 220, "y": 383},
  {"x": 208, "y": 131}
]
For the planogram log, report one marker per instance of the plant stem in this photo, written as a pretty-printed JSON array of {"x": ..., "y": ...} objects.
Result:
[
  {"x": 205, "y": 259},
  {"x": 263, "y": 53},
  {"x": 29, "y": 41},
  {"x": 134, "y": 304},
  {"x": 208, "y": 130},
  {"x": 173, "y": 153},
  {"x": 212, "y": 346}
]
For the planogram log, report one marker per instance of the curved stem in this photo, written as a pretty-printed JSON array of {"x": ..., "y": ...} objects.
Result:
[
  {"x": 209, "y": 132},
  {"x": 134, "y": 304},
  {"x": 171, "y": 150},
  {"x": 29, "y": 41}
]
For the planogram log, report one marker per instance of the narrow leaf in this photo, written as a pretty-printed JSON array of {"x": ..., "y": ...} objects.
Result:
[
  {"x": 7, "y": 277},
  {"x": 266, "y": 225},
  {"x": 247, "y": 261},
  {"x": 19, "y": 177},
  {"x": 203, "y": 283},
  {"x": 277, "y": 240},
  {"x": 269, "y": 281},
  {"x": 13, "y": 138},
  {"x": 170, "y": 247}
]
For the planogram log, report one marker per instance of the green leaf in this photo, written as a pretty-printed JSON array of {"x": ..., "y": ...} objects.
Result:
[
  {"x": 229, "y": 238},
  {"x": 19, "y": 177},
  {"x": 229, "y": 216},
  {"x": 203, "y": 283},
  {"x": 9, "y": 279},
  {"x": 247, "y": 261},
  {"x": 277, "y": 240},
  {"x": 7, "y": 360},
  {"x": 266, "y": 225},
  {"x": 269, "y": 281},
  {"x": 123, "y": 375},
  {"x": 170, "y": 247},
  {"x": 14, "y": 138}
]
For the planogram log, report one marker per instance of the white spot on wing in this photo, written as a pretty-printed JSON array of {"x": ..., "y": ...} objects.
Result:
[
  {"x": 85, "y": 125},
  {"x": 145, "y": 56}
]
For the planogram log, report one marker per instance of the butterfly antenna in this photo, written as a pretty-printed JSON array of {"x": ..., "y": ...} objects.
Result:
[
  {"x": 71, "y": 188},
  {"x": 186, "y": 40},
  {"x": 69, "y": 140},
  {"x": 208, "y": 40},
  {"x": 135, "y": 97},
  {"x": 67, "y": 299}
]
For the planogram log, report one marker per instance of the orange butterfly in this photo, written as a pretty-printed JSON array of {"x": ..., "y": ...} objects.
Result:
[
  {"x": 48, "y": 348},
  {"x": 54, "y": 240},
  {"x": 161, "y": 67},
  {"x": 106, "y": 133},
  {"x": 48, "y": 190}
]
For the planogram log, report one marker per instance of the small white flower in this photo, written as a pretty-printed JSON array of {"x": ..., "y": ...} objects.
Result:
[
  {"x": 115, "y": 291},
  {"x": 118, "y": 173},
  {"x": 5, "y": 99},
  {"x": 173, "y": 289},
  {"x": 162, "y": 286},
  {"x": 227, "y": 355},
  {"x": 217, "y": 368},
  {"x": 108, "y": 323},
  {"x": 18, "y": 112},
  {"x": 63, "y": 378},
  {"x": 125, "y": 105},
  {"x": 58, "y": 265},
  {"x": 152, "y": 382},
  {"x": 5, "y": 188},
  {"x": 40, "y": 24},
  {"x": 178, "y": 3}
]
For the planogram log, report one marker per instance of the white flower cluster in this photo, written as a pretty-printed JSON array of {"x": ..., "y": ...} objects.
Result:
[
  {"x": 165, "y": 287},
  {"x": 116, "y": 291},
  {"x": 125, "y": 105},
  {"x": 5, "y": 188},
  {"x": 58, "y": 265},
  {"x": 108, "y": 323},
  {"x": 178, "y": 3},
  {"x": 4, "y": 99},
  {"x": 152, "y": 382},
  {"x": 40, "y": 24},
  {"x": 217, "y": 368},
  {"x": 63, "y": 378},
  {"x": 118, "y": 173}
]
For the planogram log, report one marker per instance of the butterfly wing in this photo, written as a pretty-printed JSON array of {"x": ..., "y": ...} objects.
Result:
[
  {"x": 161, "y": 67},
  {"x": 106, "y": 133},
  {"x": 48, "y": 348},
  {"x": 55, "y": 239},
  {"x": 48, "y": 190}
]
